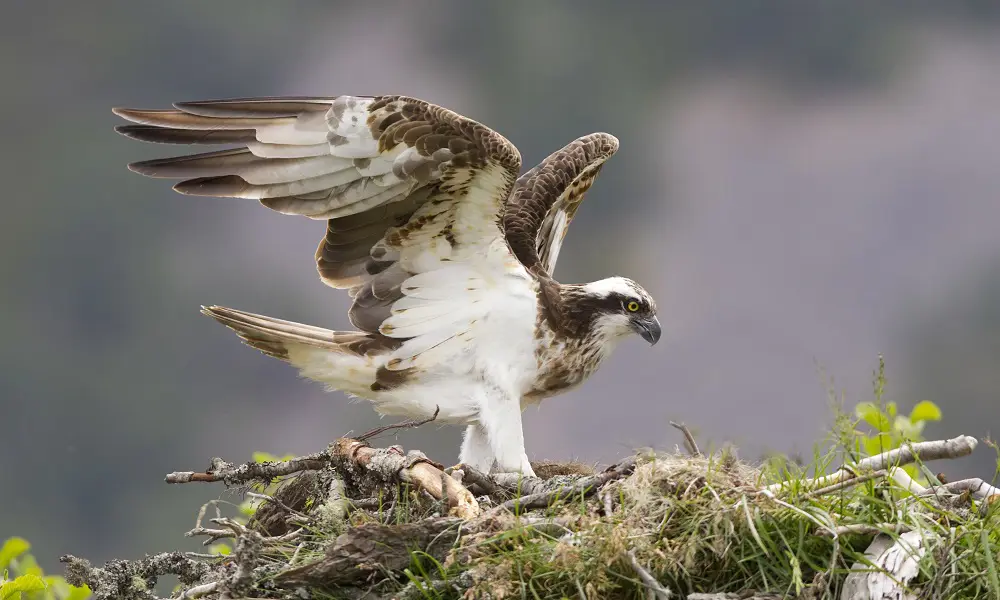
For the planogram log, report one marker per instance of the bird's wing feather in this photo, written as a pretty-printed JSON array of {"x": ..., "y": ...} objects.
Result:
[
  {"x": 546, "y": 198},
  {"x": 412, "y": 194}
]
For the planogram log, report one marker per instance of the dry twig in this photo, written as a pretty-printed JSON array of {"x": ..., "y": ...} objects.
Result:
[
  {"x": 585, "y": 487},
  {"x": 689, "y": 441},
  {"x": 654, "y": 586},
  {"x": 473, "y": 476},
  {"x": 865, "y": 529},
  {"x": 403, "y": 425},
  {"x": 847, "y": 483},
  {"x": 220, "y": 470}
]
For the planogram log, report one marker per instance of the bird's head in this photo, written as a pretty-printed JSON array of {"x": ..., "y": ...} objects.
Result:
[{"x": 620, "y": 307}]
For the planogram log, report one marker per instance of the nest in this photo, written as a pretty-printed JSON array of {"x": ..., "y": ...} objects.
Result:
[{"x": 354, "y": 521}]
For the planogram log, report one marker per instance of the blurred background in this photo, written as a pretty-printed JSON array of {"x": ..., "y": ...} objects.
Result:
[{"x": 802, "y": 185}]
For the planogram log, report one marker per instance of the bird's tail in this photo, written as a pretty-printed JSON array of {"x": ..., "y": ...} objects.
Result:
[{"x": 344, "y": 360}]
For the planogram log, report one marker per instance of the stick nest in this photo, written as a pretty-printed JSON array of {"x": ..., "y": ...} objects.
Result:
[{"x": 355, "y": 521}]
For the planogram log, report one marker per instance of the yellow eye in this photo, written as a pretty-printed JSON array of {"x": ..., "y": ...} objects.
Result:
[{"x": 632, "y": 306}]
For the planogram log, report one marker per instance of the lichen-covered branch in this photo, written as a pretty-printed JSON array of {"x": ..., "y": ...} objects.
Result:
[
  {"x": 230, "y": 474},
  {"x": 543, "y": 493},
  {"x": 132, "y": 579},
  {"x": 413, "y": 468},
  {"x": 350, "y": 455}
]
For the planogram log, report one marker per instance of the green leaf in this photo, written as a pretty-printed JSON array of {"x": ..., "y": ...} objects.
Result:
[
  {"x": 872, "y": 415},
  {"x": 27, "y": 565},
  {"x": 222, "y": 549},
  {"x": 263, "y": 457},
  {"x": 907, "y": 428},
  {"x": 78, "y": 593},
  {"x": 925, "y": 411},
  {"x": 874, "y": 445},
  {"x": 991, "y": 564},
  {"x": 56, "y": 586},
  {"x": 12, "y": 548},
  {"x": 25, "y": 583},
  {"x": 248, "y": 507}
]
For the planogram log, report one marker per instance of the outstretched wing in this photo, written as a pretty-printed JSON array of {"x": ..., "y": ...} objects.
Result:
[
  {"x": 546, "y": 198},
  {"x": 410, "y": 192},
  {"x": 400, "y": 181}
]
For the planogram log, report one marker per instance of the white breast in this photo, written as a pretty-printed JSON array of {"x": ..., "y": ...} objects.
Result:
[{"x": 476, "y": 323}]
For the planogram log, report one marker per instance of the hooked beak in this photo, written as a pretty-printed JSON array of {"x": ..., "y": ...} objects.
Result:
[{"x": 649, "y": 329}]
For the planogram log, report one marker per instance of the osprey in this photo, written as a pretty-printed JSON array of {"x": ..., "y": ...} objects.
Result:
[{"x": 446, "y": 252}]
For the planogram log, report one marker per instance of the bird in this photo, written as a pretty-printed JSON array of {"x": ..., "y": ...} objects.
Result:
[{"x": 446, "y": 249}]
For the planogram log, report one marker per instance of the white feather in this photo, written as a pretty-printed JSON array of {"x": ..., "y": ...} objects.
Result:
[
  {"x": 425, "y": 350},
  {"x": 430, "y": 318},
  {"x": 347, "y": 121},
  {"x": 560, "y": 221},
  {"x": 610, "y": 285},
  {"x": 290, "y": 135},
  {"x": 365, "y": 197},
  {"x": 287, "y": 150},
  {"x": 301, "y": 186},
  {"x": 271, "y": 172}
]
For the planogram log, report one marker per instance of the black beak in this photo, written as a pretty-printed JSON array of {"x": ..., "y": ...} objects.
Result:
[{"x": 648, "y": 328}]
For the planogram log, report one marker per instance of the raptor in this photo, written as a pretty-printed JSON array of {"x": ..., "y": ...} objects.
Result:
[{"x": 446, "y": 249}]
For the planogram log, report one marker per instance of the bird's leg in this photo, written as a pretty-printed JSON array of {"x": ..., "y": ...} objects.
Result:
[
  {"x": 501, "y": 417},
  {"x": 476, "y": 451}
]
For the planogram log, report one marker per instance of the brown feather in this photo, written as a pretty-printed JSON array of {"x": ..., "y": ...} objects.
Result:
[
  {"x": 557, "y": 183},
  {"x": 255, "y": 107},
  {"x": 271, "y": 335},
  {"x": 166, "y": 135}
]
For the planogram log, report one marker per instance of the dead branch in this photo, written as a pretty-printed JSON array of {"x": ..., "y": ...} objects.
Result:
[
  {"x": 865, "y": 529},
  {"x": 689, "y": 441},
  {"x": 920, "y": 451},
  {"x": 199, "y": 590},
  {"x": 221, "y": 470},
  {"x": 847, "y": 483},
  {"x": 403, "y": 425},
  {"x": 213, "y": 535},
  {"x": 278, "y": 503},
  {"x": 519, "y": 485},
  {"x": 904, "y": 455},
  {"x": 584, "y": 487},
  {"x": 132, "y": 580},
  {"x": 660, "y": 592},
  {"x": 348, "y": 455},
  {"x": 977, "y": 488},
  {"x": 413, "y": 468},
  {"x": 469, "y": 476}
]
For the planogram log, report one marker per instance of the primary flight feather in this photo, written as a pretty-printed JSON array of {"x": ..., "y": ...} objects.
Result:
[{"x": 445, "y": 251}]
